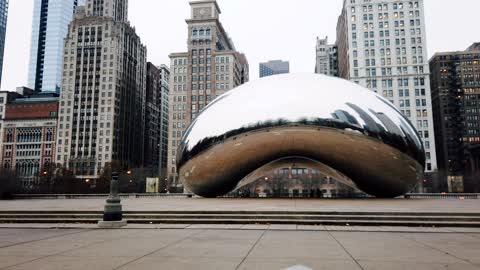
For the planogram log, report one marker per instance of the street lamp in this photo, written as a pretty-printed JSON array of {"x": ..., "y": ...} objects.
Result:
[{"x": 113, "y": 215}]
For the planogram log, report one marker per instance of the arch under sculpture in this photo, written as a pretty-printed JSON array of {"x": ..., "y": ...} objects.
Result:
[{"x": 347, "y": 131}]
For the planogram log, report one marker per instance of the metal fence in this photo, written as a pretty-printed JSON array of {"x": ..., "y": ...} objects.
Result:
[
  {"x": 464, "y": 196},
  {"x": 100, "y": 196}
]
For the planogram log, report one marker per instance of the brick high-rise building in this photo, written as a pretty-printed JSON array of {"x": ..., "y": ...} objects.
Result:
[
  {"x": 211, "y": 67},
  {"x": 382, "y": 46},
  {"x": 102, "y": 105},
  {"x": 456, "y": 109},
  {"x": 28, "y": 134}
]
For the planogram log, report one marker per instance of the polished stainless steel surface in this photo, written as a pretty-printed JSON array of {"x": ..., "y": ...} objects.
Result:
[{"x": 352, "y": 133}]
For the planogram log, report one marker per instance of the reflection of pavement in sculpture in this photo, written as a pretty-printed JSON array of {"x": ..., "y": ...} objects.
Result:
[{"x": 349, "y": 132}]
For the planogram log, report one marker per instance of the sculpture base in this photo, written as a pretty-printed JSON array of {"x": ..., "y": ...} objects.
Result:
[{"x": 112, "y": 224}]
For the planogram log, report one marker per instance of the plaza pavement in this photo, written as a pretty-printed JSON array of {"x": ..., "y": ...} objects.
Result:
[
  {"x": 200, "y": 204},
  {"x": 263, "y": 247},
  {"x": 248, "y": 248}
]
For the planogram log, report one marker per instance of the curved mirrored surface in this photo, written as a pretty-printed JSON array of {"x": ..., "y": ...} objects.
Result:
[{"x": 334, "y": 122}]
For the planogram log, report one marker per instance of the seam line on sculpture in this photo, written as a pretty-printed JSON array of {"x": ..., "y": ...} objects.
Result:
[
  {"x": 251, "y": 249},
  {"x": 157, "y": 250},
  {"x": 440, "y": 250},
  {"x": 345, "y": 249}
]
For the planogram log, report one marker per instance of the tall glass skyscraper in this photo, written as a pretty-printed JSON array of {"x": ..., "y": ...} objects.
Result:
[
  {"x": 3, "y": 30},
  {"x": 49, "y": 29}
]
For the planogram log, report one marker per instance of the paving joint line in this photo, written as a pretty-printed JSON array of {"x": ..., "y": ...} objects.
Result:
[
  {"x": 58, "y": 253},
  {"x": 440, "y": 250},
  {"x": 345, "y": 249},
  {"x": 251, "y": 249},
  {"x": 157, "y": 250},
  {"x": 42, "y": 239}
]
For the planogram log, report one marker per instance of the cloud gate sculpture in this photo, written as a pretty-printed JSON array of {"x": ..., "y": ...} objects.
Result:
[{"x": 346, "y": 131}]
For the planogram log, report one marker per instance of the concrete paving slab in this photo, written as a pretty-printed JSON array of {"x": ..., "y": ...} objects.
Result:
[
  {"x": 213, "y": 244},
  {"x": 311, "y": 228},
  {"x": 181, "y": 263},
  {"x": 458, "y": 245},
  {"x": 255, "y": 227},
  {"x": 391, "y": 247},
  {"x": 381, "y": 265},
  {"x": 73, "y": 263},
  {"x": 7, "y": 261},
  {"x": 279, "y": 227},
  {"x": 279, "y": 263},
  {"x": 229, "y": 249},
  {"x": 298, "y": 245}
]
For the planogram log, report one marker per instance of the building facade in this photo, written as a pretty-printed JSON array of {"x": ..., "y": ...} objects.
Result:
[
  {"x": 49, "y": 29},
  {"x": 382, "y": 46},
  {"x": 156, "y": 120},
  {"x": 211, "y": 67},
  {"x": 3, "y": 31},
  {"x": 29, "y": 136},
  {"x": 273, "y": 68},
  {"x": 102, "y": 104},
  {"x": 455, "y": 84},
  {"x": 326, "y": 58}
]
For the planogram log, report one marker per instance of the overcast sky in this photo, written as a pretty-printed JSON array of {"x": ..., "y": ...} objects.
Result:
[{"x": 262, "y": 29}]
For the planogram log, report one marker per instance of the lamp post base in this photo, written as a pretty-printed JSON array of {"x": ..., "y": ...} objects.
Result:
[{"x": 112, "y": 224}]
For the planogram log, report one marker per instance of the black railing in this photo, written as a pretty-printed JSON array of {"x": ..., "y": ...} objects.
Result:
[{"x": 468, "y": 196}]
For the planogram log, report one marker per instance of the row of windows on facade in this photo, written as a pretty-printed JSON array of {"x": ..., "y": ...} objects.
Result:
[
  {"x": 371, "y": 43},
  {"x": 385, "y": 16},
  {"x": 200, "y": 42},
  {"x": 395, "y": 6},
  {"x": 404, "y": 93},
  {"x": 372, "y": 72},
  {"x": 201, "y": 32},
  {"x": 386, "y": 33},
  {"x": 388, "y": 62},
  {"x": 29, "y": 135},
  {"x": 420, "y": 113},
  {"x": 387, "y": 52}
]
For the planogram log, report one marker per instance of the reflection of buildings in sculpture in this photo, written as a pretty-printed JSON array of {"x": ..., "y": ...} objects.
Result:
[
  {"x": 370, "y": 123},
  {"x": 345, "y": 117},
  {"x": 29, "y": 132},
  {"x": 297, "y": 182}
]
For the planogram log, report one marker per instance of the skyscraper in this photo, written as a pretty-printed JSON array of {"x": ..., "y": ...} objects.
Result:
[
  {"x": 456, "y": 110},
  {"x": 49, "y": 29},
  {"x": 102, "y": 105},
  {"x": 211, "y": 67},
  {"x": 326, "y": 58},
  {"x": 3, "y": 31},
  {"x": 382, "y": 46},
  {"x": 156, "y": 120},
  {"x": 273, "y": 68}
]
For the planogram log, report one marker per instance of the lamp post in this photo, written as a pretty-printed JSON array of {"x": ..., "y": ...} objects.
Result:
[{"x": 113, "y": 215}]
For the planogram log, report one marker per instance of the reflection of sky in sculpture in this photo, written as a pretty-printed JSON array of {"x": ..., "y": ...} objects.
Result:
[{"x": 289, "y": 97}]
